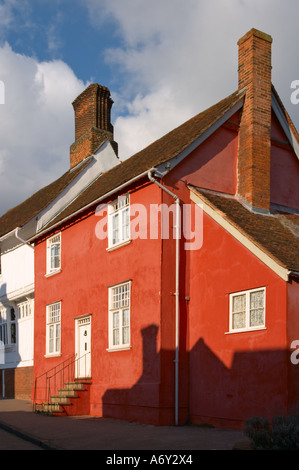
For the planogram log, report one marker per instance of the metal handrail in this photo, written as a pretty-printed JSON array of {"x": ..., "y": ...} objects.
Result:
[{"x": 56, "y": 376}]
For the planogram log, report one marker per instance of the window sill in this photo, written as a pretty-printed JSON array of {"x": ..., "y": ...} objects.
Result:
[
  {"x": 52, "y": 273},
  {"x": 121, "y": 348},
  {"x": 118, "y": 245},
  {"x": 249, "y": 330},
  {"x": 48, "y": 356},
  {"x": 10, "y": 347}
]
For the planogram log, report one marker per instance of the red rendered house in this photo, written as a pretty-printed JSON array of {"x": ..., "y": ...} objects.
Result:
[{"x": 168, "y": 290}]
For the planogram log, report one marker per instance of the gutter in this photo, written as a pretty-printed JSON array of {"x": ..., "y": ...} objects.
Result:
[
  {"x": 21, "y": 239},
  {"x": 15, "y": 232},
  {"x": 95, "y": 201},
  {"x": 177, "y": 287}
]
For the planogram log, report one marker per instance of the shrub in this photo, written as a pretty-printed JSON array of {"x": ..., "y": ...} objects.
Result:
[{"x": 282, "y": 434}]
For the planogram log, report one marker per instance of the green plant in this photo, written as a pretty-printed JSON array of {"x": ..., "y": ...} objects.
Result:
[{"x": 281, "y": 434}]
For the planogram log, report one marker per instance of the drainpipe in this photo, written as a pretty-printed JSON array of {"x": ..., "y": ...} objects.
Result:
[{"x": 177, "y": 286}]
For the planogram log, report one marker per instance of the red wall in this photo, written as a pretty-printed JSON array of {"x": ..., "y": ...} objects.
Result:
[
  {"x": 284, "y": 170},
  {"x": 125, "y": 384},
  {"x": 233, "y": 376},
  {"x": 212, "y": 165},
  {"x": 293, "y": 336}
]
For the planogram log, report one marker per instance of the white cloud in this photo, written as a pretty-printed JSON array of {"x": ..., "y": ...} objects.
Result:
[
  {"x": 179, "y": 57},
  {"x": 175, "y": 58},
  {"x": 37, "y": 124}
]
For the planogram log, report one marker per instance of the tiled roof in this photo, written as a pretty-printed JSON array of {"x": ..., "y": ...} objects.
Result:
[
  {"x": 160, "y": 151},
  {"x": 277, "y": 234},
  {"x": 31, "y": 207}
]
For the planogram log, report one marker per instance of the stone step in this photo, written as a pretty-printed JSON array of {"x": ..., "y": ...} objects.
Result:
[
  {"x": 75, "y": 385},
  {"x": 63, "y": 398},
  {"x": 60, "y": 400},
  {"x": 63, "y": 392},
  {"x": 49, "y": 408}
]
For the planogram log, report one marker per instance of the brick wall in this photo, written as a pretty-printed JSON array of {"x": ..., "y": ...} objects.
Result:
[
  {"x": 255, "y": 126},
  {"x": 18, "y": 383},
  {"x": 92, "y": 122}
]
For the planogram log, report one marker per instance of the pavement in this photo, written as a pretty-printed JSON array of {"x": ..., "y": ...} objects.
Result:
[{"x": 92, "y": 433}]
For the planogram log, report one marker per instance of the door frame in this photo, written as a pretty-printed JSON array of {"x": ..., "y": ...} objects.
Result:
[{"x": 80, "y": 322}]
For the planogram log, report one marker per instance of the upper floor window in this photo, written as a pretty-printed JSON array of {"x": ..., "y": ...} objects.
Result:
[
  {"x": 247, "y": 310},
  {"x": 119, "y": 221},
  {"x": 24, "y": 310},
  {"x": 54, "y": 254}
]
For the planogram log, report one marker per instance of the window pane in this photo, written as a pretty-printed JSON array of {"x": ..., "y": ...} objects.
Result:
[
  {"x": 54, "y": 252},
  {"x": 55, "y": 256},
  {"x": 257, "y": 317},
  {"x": 239, "y": 303},
  {"x": 13, "y": 333},
  {"x": 115, "y": 338},
  {"x": 239, "y": 320},
  {"x": 51, "y": 338},
  {"x": 126, "y": 326},
  {"x": 12, "y": 314},
  {"x": 125, "y": 224},
  {"x": 116, "y": 320},
  {"x": 115, "y": 234},
  {"x": 57, "y": 339},
  {"x": 3, "y": 335},
  {"x": 257, "y": 299},
  {"x": 126, "y": 317},
  {"x": 120, "y": 296},
  {"x": 54, "y": 313}
]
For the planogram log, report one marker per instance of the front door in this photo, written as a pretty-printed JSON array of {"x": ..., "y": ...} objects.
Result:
[{"x": 83, "y": 348}]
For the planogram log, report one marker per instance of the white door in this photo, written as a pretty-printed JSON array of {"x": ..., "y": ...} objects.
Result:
[{"x": 83, "y": 363}]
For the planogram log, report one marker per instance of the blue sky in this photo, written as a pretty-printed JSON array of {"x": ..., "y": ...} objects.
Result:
[
  {"x": 163, "y": 61},
  {"x": 61, "y": 29}
]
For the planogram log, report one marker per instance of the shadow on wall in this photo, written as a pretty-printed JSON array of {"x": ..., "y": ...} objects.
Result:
[{"x": 258, "y": 383}]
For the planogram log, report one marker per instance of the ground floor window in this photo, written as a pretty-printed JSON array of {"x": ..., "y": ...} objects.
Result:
[
  {"x": 8, "y": 329},
  {"x": 53, "y": 328},
  {"x": 3, "y": 326},
  {"x": 119, "y": 316},
  {"x": 247, "y": 310}
]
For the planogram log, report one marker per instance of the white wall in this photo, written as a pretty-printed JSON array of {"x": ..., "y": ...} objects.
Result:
[
  {"x": 17, "y": 271},
  {"x": 17, "y": 286}
]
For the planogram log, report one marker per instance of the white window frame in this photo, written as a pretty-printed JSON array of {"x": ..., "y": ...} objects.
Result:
[
  {"x": 12, "y": 325},
  {"x": 247, "y": 326},
  {"x": 3, "y": 326},
  {"x": 120, "y": 306},
  {"x": 24, "y": 310},
  {"x": 53, "y": 333},
  {"x": 54, "y": 240},
  {"x": 119, "y": 231},
  {"x": 7, "y": 325}
]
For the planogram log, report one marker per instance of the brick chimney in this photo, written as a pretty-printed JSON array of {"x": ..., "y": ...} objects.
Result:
[
  {"x": 92, "y": 122},
  {"x": 255, "y": 126}
]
